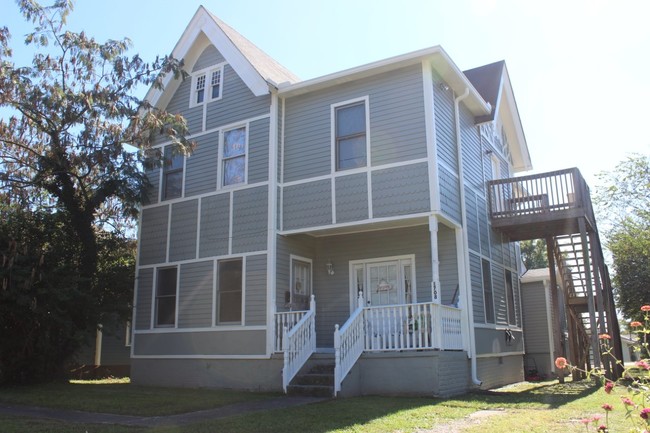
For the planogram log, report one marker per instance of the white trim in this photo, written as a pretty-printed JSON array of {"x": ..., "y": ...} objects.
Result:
[
  {"x": 497, "y": 327},
  {"x": 449, "y": 168},
  {"x": 215, "y": 270},
  {"x": 231, "y": 212},
  {"x": 198, "y": 227},
  {"x": 370, "y": 205},
  {"x": 200, "y": 356},
  {"x": 549, "y": 322},
  {"x": 204, "y": 259},
  {"x": 216, "y": 328},
  {"x": 154, "y": 289},
  {"x": 333, "y": 107},
  {"x": 244, "y": 260},
  {"x": 136, "y": 280},
  {"x": 207, "y": 89},
  {"x": 356, "y": 223},
  {"x": 208, "y": 194},
  {"x": 430, "y": 135},
  {"x": 178, "y": 295},
  {"x": 333, "y": 198},
  {"x": 281, "y": 182},
  {"x": 500, "y": 355},
  {"x": 272, "y": 223},
  {"x": 169, "y": 229}
]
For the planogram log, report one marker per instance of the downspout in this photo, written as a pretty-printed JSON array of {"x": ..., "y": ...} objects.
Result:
[{"x": 463, "y": 211}]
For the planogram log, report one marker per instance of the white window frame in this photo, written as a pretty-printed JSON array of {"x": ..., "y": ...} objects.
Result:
[
  {"x": 334, "y": 154},
  {"x": 207, "y": 95},
  {"x": 154, "y": 318},
  {"x": 164, "y": 172},
  {"x": 221, "y": 170},
  {"x": 217, "y": 300},
  {"x": 293, "y": 258}
]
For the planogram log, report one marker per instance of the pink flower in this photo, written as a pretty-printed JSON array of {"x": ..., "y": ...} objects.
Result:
[
  {"x": 604, "y": 337},
  {"x": 596, "y": 418},
  {"x": 561, "y": 362},
  {"x": 585, "y": 421},
  {"x": 642, "y": 364},
  {"x": 645, "y": 308},
  {"x": 645, "y": 413},
  {"x": 608, "y": 386},
  {"x": 607, "y": 407},
  {"x": 635, "y": 324},
  {"x": 627, "y": 402},
  {"x": 602, "y": 428}
]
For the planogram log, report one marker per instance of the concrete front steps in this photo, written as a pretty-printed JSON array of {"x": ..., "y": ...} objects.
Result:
[{"x": 317, "y": 380}]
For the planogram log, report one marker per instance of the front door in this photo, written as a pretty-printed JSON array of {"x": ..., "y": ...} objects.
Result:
[{"x": 383, "y": 281}]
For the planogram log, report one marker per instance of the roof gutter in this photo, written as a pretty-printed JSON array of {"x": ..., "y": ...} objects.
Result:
[{"x": 463, "y": 210}]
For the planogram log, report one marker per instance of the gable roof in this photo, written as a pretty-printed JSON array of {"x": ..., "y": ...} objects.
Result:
[
  {"x": 493, "y": 83},
  {"x": 256, "y": 68}
]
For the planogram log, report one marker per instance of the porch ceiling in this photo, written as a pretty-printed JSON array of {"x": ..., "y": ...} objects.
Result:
[{"x": 362, "y": 227}]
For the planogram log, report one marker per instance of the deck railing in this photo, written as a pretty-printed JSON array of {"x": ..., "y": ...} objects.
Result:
[
  {"x": 285, "y": 319},
  {"x": 450, "y": 324},
  {"x": 298, "y": 344},
  {"x": 348, "y": 344},
  {"x": 537, "y": 193}
]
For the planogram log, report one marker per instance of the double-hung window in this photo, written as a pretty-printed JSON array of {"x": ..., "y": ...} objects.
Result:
[
  {"x": 350, "y": 135},
  {"x": 229, "y": 302},
  {"x": 206, "y": 85},
  {"x": 166, "y": 297},
  {"x": 172, "y": 182},
  {"x": 233, "y": 159}
]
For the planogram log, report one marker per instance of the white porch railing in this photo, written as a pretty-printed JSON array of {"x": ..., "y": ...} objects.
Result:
[
  {"x": 298, "y": 343},
  {"x": 348, "y": 345},
  {"x": 286, "y": 319},
  {"x": 450, "y": 323}
]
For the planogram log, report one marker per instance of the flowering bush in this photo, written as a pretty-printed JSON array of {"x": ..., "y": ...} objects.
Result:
[{"x": 634, "y": 383}]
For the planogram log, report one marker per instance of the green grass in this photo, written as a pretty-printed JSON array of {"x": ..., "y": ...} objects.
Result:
[
  {"x": 546, "y": 407},
  {"x": 118, "y": 396}
]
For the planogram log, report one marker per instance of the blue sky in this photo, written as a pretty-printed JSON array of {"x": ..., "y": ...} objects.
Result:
[{"x": 578, "y": 67}]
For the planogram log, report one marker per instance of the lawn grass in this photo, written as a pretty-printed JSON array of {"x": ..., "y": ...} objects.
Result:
[
  {"x": 546, "y": 407},
  {"x": 121, "y": 397}
]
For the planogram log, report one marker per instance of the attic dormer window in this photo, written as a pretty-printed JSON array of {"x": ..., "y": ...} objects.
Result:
[{"x": 206, "y": 85}]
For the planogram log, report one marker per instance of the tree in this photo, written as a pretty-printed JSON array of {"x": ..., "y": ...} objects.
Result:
[
  {"x": 63, "y": 153},
  {"x": 622, "y": 202},
  {"x": 533, "y": 253}
]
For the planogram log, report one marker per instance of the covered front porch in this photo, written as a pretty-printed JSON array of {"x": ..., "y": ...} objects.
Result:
[{"x": 380, "y": 291}]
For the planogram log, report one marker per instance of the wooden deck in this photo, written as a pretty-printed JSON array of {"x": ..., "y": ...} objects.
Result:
[{"x": 540, "y": 205}]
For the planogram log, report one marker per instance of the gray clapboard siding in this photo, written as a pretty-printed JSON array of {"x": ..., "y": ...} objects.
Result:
[
  {"x": 201, "y": 166},
  {"x": 180, "y": 104},
  {"x": 396, "y": 128},
  {"x": 401, "y": 190},
  {"x": 517, "y": 288},
  {"x": 258, "y": 151},
  {"x": 448, "y": 264},
  {"x": 182, "y": 242},
  {"x": 143, "y": 298},
  {"x": 476, "y": 276},
  {"x": 484, "y": 227},
  {"x": 535, "y": 304},
  {"x": 490, "y": 340},
  {"x": 445, "y": 124},
  {"x": 218, "y": 342},
  {"x": 472, "y": 221},
  {"x": 209, "y": 57},
  {"x": 249, "y": 228},
  {"x": 352, "y": 198},
  {"x": 449, "y": 194},
  {"x": 215, "y": 225},
  {"x": 499, "y": 295},
  {"x": 237, "y": 102},
  {"x": 307, "y": 205},
  {"x": 255, "y": 302},
  {"x": 153, "y": 235},
  {"x": 299, "y": 245},
  {"x": 333, "y": 291},
  {"x": 497, "y": 246},
  {"x": 473, "y": 155},
  {"x": 195, "y": 295}
]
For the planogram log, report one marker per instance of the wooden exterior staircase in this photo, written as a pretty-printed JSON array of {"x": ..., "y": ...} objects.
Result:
[{"x": 556, "y": 206}]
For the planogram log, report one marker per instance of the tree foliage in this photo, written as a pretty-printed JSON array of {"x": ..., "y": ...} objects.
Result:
[
  {"x": 67, "y": 174},
  {"x": 623, "y": 202},
  {"x": 533, "y": 253}
]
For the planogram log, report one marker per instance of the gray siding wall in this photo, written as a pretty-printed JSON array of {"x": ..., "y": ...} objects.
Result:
[
  {"x": 494, "y": 341},
  {"x": 258, "y": 151},
  {"x": 400, "y": 191},
  {"x": 535, "y": 305},
  {"x": 209, "y": 57},
  {"x": 256, "y": 290},
  {"x": 247, "y": 342},
  {"x": 307, "y": 205},
  {"x": 180, "y": 103},
  {"x": 237, "y": 102},
  {"x": 202, "y": 166},
  {"x": 143, "y": 299},
  {"x": 299, "y": 245},
  {"x": 351, "y": 198},
  {"x": 215, "y": 225},
  {"x": 182, "y": 242},
  {"x": 396, "y": 129},
  {"x": 449, "y": 193},
  {"x": 445, "y": 125},
  {"x": 477, "y": 288},
  {"x": 473, "y": 155},
  {"x": 195, "y": 295},
  {"x": 153, "y": 192},
  {"x": 250, "y": 210},
  {"x": 499, "y": 294},
  {"x": 153, "y": 235},
  {"x": 448, "y": 265}
]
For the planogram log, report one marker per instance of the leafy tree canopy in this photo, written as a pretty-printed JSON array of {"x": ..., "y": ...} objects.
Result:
[{"x": 533, "y": 253}]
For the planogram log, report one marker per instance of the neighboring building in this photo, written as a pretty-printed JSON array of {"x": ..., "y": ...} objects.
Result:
[
  {"x": 371, "y": 180},
  {"x": 539, "y": 317},
  {"x": 107, "y": 354}
]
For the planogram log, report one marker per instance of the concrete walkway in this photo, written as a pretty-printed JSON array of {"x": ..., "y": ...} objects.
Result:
[{"x": 178, "y": 419}]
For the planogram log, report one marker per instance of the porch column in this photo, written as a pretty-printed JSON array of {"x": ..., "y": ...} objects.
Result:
[{"x": 436, "y": 292}]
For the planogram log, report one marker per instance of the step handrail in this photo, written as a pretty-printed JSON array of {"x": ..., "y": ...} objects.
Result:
[
  {"x": 298, "y": 344},
  {"x": 348, "y": 344}
]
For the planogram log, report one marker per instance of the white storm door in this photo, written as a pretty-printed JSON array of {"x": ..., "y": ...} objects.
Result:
[{"x": 383, "y": 284}]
